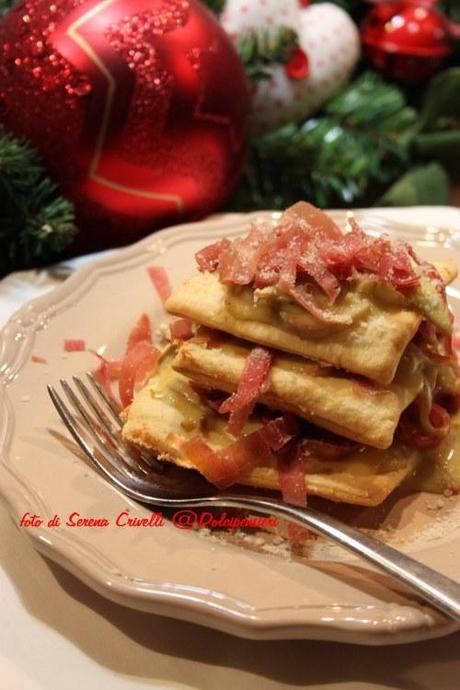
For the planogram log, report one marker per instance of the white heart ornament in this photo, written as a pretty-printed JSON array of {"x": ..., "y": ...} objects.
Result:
[
  {"x": 239, "y": 16},
  {"x": 328, "y": 37}
]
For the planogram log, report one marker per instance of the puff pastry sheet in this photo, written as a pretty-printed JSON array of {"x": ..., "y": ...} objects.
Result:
[
  {"x": 371, "y": 346},
  {"x": 365, "y": 477},
  {"x": 323, "y": 395}
]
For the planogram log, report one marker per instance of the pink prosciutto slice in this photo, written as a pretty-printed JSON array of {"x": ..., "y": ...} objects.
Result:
[
  {"x": 112, "y": 366},
  {"x": 306, "y": 248},
  {"x": 103, "y": 375},
  {"x": 326, "y": 450},
  {"x": 137, "y": 364},
  {"x": 279, "y": 431},
  {"x": 141, "y": 331},
  {"x": 239, "y": 259},
  {"x": 208, "y": 258},
  {"x": 74, "y": 345},
  {"x": 159, "y": 277},
  {"x": 225, "y": 467},
  {"x": 291, "y": 471},
  {"x": 291, "y": 478},
  {"x": 253, "y": 383},
  {"x": 140, "y": 358},
  {"x": 181, "y": 329},
  {"x": 38, "y": 359},
  {"x": 312, "y": 217}
]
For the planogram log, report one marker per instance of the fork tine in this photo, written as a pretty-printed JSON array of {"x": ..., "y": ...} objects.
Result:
[
  {"x": 128, "y": 464},
  {"x": 70, "y": 422},
  {"x": 112, "y": 472},
  {"x": 149, "y": 461},
  {"x": 143, "y": 465},
  {"x": 76, "y": 429},
  {"x": 110, "y": 404},
  {"x": 98, "y": 411}
]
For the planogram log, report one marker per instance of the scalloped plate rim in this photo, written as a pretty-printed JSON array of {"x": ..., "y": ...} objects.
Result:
[{"x": 248, "y": 621}]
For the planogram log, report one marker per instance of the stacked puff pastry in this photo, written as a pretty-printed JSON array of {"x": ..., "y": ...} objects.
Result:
[{"x": 347, "y": 386}]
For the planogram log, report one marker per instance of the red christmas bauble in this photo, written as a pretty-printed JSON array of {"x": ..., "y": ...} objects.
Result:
[
  {"x": 407, "y": 40},
  {"x": 140, "y": 108}
]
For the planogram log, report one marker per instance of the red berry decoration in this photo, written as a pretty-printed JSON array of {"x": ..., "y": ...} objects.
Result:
[
  {"x": 297, "y": 68},
  {"x": 140, "y": 108},
  {"x": 407, "y": 40}
]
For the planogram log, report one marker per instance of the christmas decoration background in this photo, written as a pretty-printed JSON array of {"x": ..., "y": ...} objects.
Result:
[
  {"x": 378, "y": 138},
  {"x": 408, "y": 41},
  {"x": 328, "y": 41},
  {"x": 139, "y": 107}
]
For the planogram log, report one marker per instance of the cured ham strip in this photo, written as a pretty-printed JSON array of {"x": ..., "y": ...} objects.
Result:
[
  {"x": 225, "y": 467},
  {"x": 241, "y": 456},
  {"x": 306, "y": 249},
  {"x": 112, "y": 367},
  {"x": 456, "y": 342},
  {"x": 141, "y": 331},
  {"x": 140, "y": 358},
  {"x": 325, "y": 450},
  {"x": 434, "y": 343},
  {"x": 203, "y": 458},
  {"x": 160, "y": 280},
  {"x": 74, "y": 345},
  {"x": 321, "y": 275},
  {"x": 137, "y": 364},
  {"x": 292, "y": 474},
  {"x": 295, "y": 241},
  {"x": 37, "y": 359},
  {"x": 291, "y": 477},
  {"x": 253, "y": 383},
  {"x": 279, "y": 431},
  {"x": 181, "y": 329},
  {"x": 208, "y": 258},
  {"x": 238, "y": 261},
  {"x": 104, "y": 377},
  {"x": 416, "y": 436},
  {"x": 271, "y": 260},
  {"x": 313, "y": 217},
  {"x": 354, "y": 251},
  {"x": 395, "y": 268}
]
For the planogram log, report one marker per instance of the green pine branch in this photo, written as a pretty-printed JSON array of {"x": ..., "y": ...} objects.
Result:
[
  {"x": 366, "y": 142},
  {"x": 350, "y": 153},
  {"x": 260, "y": 48},
  {"x": 36, "y": 224},
  {"x": 215, "y": 5},
  {"x": 6, "y": 5}
]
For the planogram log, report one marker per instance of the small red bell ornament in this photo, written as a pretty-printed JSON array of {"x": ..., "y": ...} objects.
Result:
[
  {"x": 407, "y": 40},
  {"x": 140, "y": 108}
]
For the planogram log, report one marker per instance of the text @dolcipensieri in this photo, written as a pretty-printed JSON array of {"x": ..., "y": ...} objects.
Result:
[{"x": 185, "y": 519}]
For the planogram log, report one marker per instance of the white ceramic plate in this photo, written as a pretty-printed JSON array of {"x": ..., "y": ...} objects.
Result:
[{"x": 242, "y": 588}]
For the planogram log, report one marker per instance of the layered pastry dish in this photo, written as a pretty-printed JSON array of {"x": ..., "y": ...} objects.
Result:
[{"x": 307, "y": 360}]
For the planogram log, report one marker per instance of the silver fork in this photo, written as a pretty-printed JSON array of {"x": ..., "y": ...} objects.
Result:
[{"x": 93, "y": 421}]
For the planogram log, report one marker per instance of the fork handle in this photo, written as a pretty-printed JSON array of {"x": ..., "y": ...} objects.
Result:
[{"x": 437, "y": 589}]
